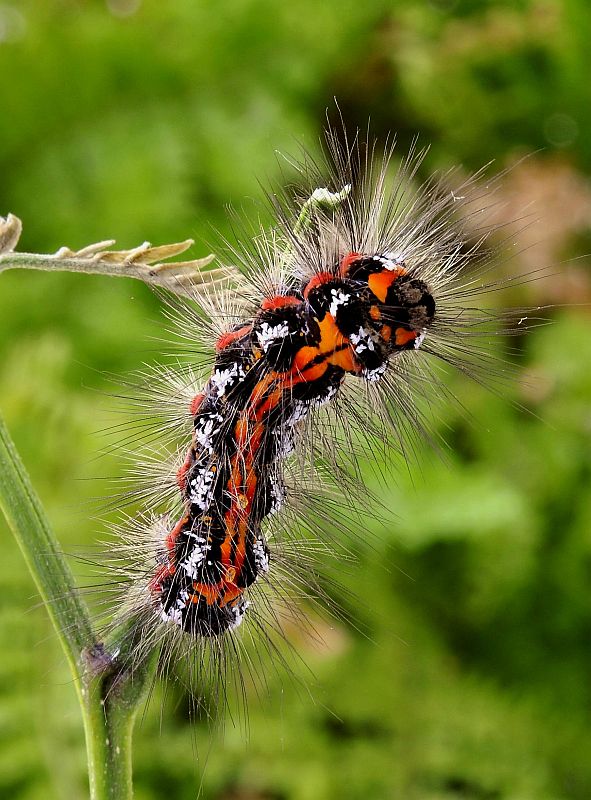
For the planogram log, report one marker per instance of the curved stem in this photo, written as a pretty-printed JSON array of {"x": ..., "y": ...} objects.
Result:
[
  {"x": 319, "y": 199},
  {"x": 108, "y": 689},
  {"x": 145, "y": 262},
  {"x": 44, "y": 557}
]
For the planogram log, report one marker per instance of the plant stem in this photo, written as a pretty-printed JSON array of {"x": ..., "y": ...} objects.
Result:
[
  {"x": 46, "y": 561},
  {"x": 111, "y": 699},
  {"x": 109, "y": 691},
  {"x": 176, "y": 276},
  {"x": 108, "y": 725},
  {"x": 145, "y": 263}
]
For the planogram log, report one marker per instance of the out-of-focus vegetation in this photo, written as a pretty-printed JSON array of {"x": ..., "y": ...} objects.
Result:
[{"x": 139, "y": 119}]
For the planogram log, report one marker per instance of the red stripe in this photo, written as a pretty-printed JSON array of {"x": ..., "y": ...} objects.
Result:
[
  {"x": 347, "y": 260},
  {"x": 279, "y": 301},
  {"x": 318, "y": 280},
  {"x": 229, "y": 338}
]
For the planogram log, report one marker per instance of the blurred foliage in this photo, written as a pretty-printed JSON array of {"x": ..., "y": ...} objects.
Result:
[{"x": 143, "y": 120}]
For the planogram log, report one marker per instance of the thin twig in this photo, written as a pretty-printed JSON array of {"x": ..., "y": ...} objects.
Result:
[{"x": 145, "y": 262}]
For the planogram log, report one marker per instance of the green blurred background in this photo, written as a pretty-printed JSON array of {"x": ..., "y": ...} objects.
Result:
[{"x": 137, "y": 120}]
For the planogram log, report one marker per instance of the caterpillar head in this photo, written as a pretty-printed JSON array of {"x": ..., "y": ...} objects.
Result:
[{"x": 401, "y": 306}]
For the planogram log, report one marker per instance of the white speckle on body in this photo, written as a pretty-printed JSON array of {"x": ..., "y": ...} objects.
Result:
[
  {"x": 261, "y": 558},
  {"x": 278, "y": 496},
  {"x": 201, "y": 488},
  {"x": 375, "y": 374},
  {"x": 325, "y": 398},
  {"x": 206, "y": 428},
  {"x": 221, "y": 378},
  {"x": 419, "y": 340},
  {"x": 285, "y": 442},
  {"x": 300, "y": 411},
  {"x": 195, "y": 558},
  {"x": 339, "y": 298},
  {"x": 391, "y": 260},
  {"x": 268, "y": 334},
  {"x": 238, "y": 611},
  {"x": 172, "y": 615},
  {"x": 362, "y": 341}
]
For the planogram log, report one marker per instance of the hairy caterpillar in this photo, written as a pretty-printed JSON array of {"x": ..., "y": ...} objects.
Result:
[
  {"x": 340, "y": 305},
  {"x": 267, "y": 376}
]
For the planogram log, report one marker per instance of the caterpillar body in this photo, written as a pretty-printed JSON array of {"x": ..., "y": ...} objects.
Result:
[
  {"x": 267, "y": 376},
  {"x": 345, "y": 303}
]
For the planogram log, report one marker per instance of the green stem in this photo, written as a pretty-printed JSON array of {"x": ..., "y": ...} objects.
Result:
[
  {"x": 109, "y": 691},
  {"x": 46, "y": 561},
  {"x": 319, "y": 200},
  {"x": 111, "y": 699},
  {"x": 108, "y": 724}
]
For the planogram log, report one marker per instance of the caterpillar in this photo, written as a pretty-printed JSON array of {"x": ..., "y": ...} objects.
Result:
[
  {"x": 340, "y": 305},
  {"x": 267, "y": 376}
]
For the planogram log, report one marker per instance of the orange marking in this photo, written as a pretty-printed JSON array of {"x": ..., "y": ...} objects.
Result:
[
  {"x": 261, "y": 387},
  {"x": 303, "y": 373},
  {"x": 242, "y": 483},
  {"x": 330, "y": 335},
  {"x": 345, "y": 359},
  {"x": 231, "y": 593},
  {"x": 229, "y": 338},
  {"x": 310, "y": 364},
  {"x": 249, "y": 430},
  {"x": 271, "y": 400},
  {"x": 404, "y": 336},
  {"x": 380, "y": 282},
  {"x": 230, "y": 575},
  {"x": 209, "y": 591},
  {"x": 226, "y": 546},
  {"x": 241, "y": 431},
  {"x": 174, "y": 534},
  {"x": 333, "y": 349}
]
